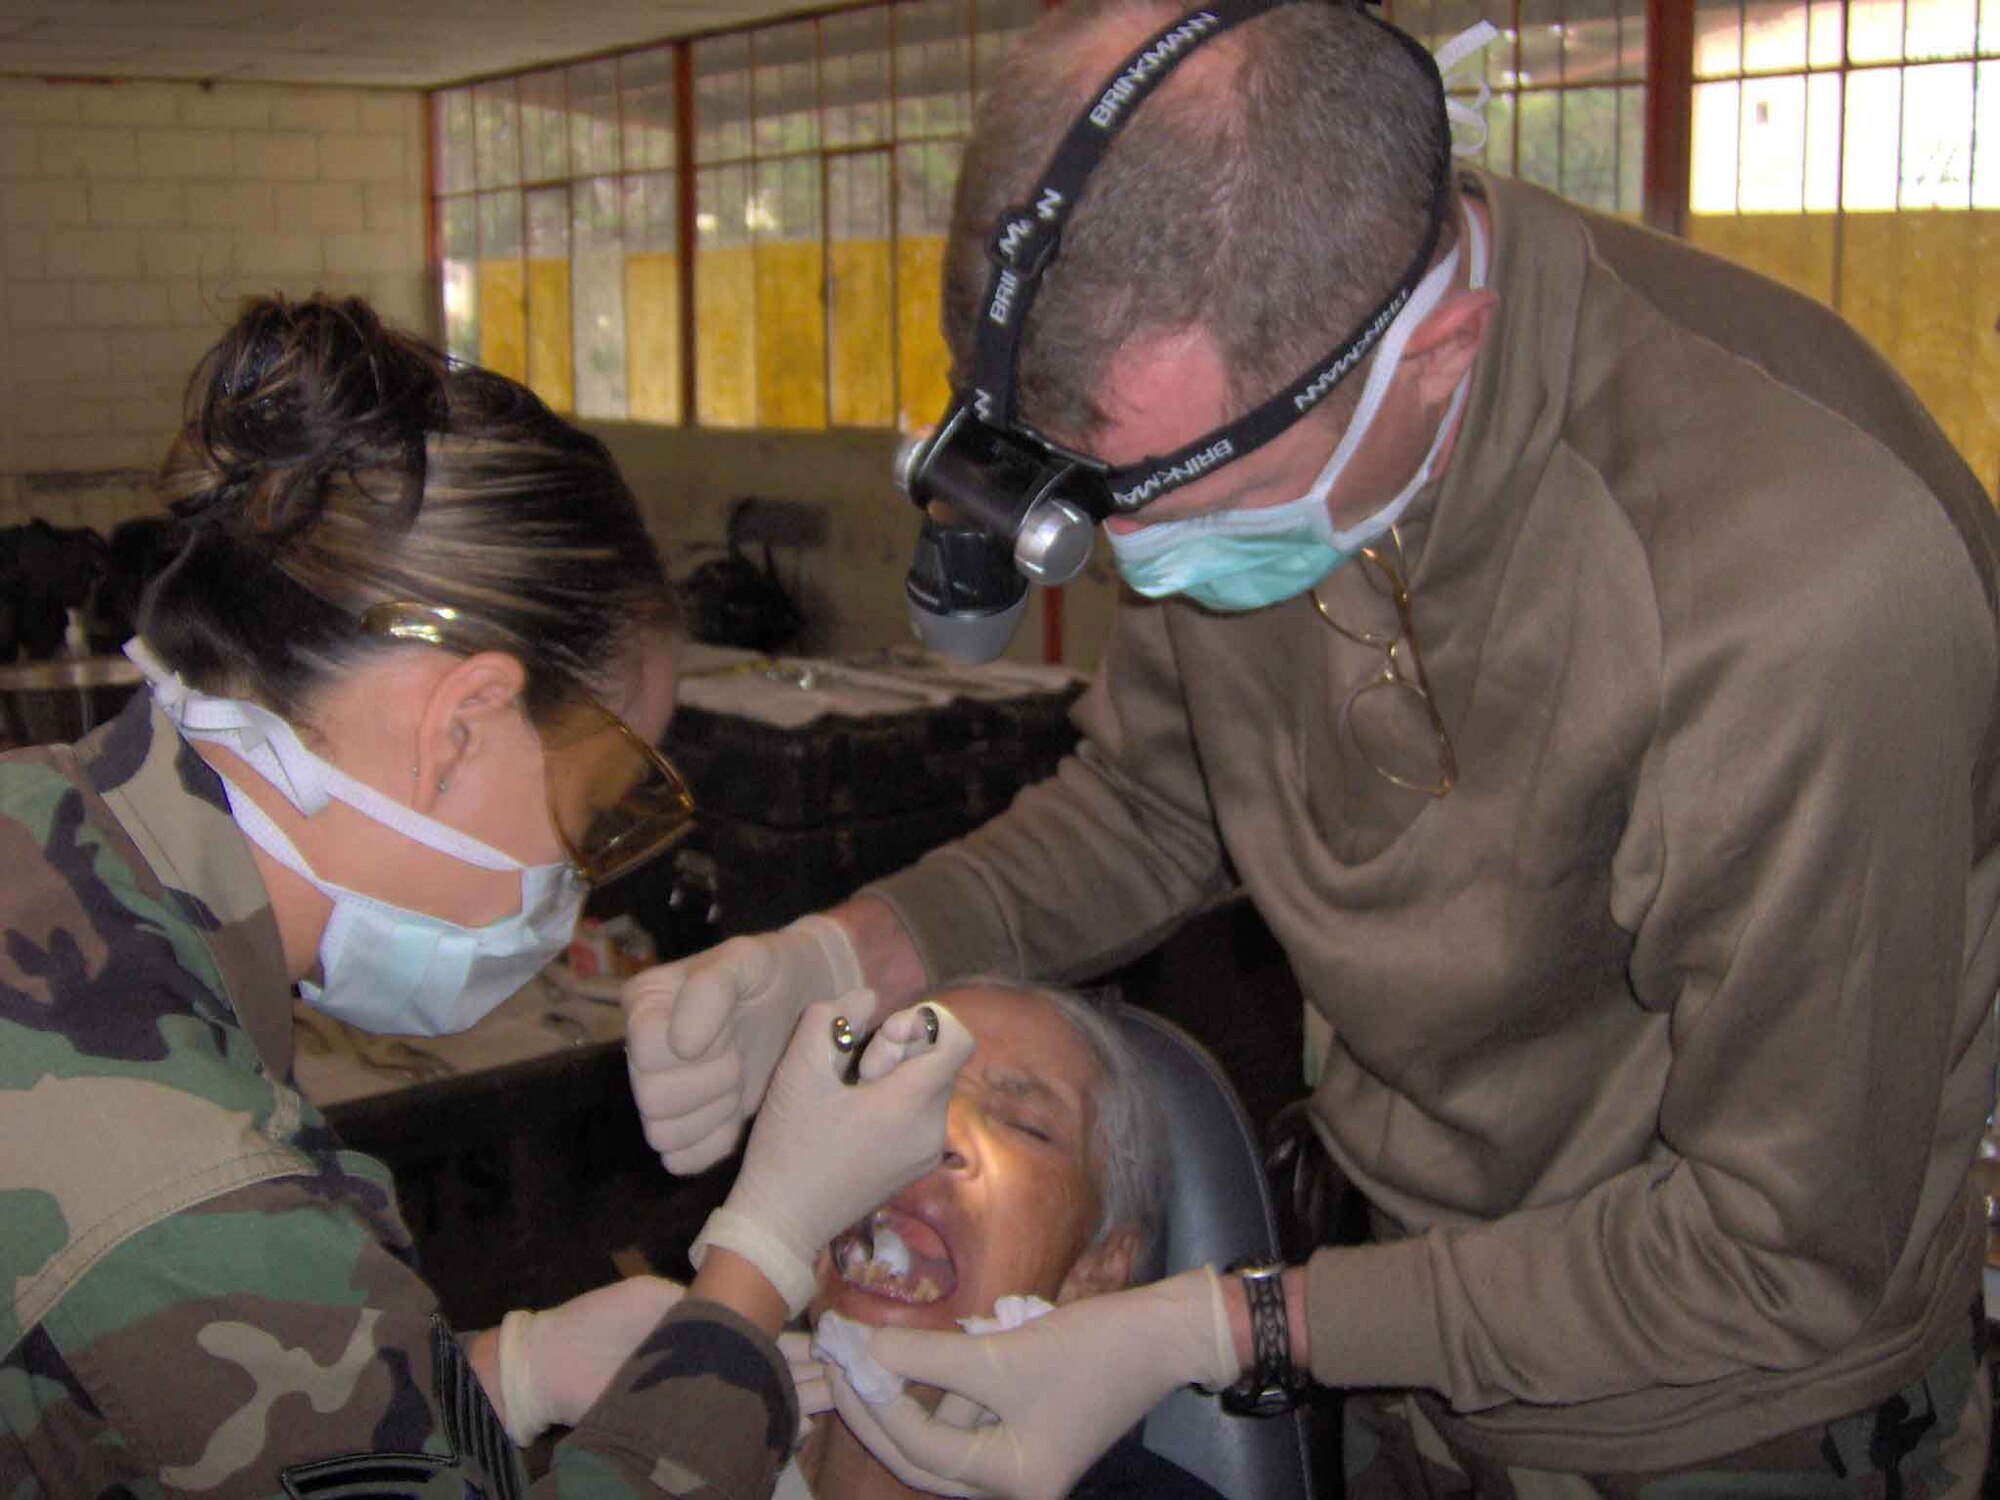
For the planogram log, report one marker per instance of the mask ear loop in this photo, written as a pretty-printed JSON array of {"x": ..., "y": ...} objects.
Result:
[
  {"x": 273, "y": 749},
  {"x": 1467, "y": 120}
]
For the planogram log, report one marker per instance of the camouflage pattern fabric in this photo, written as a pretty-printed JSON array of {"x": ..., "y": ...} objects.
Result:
[
  {"x": 209, "y": 1295},
  {"x": 1928, "y": 1441}
]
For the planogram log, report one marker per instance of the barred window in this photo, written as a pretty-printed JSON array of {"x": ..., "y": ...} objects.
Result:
[
  {"x": 779, "y": 267},
  {"x": 746, "y": 229},
  {"x": 1569, "y": 90},
  {"x": 1851, "y": 148}
]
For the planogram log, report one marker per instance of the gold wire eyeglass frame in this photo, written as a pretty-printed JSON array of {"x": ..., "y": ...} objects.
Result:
[
  {"x": 1393, "y": 675},
  {"x": 648, "y": 836}
]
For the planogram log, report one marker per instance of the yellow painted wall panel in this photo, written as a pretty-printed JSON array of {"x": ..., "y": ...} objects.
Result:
[
  {"x": 1796, "y": 249},
  {"x": 1863, "y": 299},
  {"x": 1980, "y": 442},
  {"x": 924, "y": 366},
  {"x": 653, "y": 338},
  {"x": 1910, "y": 280},
  {"x": 725, "y": 322},
  {"x": 1913, "y": 284},
  {"x": 791, "y": 334},
  {"x": 503, "y": 318},
  {"x": 551, "y": 370},
  {"x": 860, "y": 316}
]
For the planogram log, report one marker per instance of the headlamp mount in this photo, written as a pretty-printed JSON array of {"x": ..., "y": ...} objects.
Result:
[{"x": 1003, "y": 504}]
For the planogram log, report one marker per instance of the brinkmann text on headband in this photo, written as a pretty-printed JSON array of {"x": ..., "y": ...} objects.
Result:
[{"x": 1025, "y": 507}]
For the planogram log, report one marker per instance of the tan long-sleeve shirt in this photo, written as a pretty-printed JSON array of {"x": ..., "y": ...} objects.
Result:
[{"x": 1662, "y": 1044}]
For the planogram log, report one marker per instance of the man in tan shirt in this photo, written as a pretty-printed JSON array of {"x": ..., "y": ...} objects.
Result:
[{"x": 1613, "y": 751}]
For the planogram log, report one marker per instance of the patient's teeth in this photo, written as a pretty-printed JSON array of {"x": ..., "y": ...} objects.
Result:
[
  {"x": 890, "y": 1251},
  {"x": 851, "y": 1257},
  {"x": 877, "y": 1259}
]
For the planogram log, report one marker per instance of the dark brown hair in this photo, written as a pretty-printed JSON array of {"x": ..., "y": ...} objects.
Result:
[
  {"x": 328, "y": 462},
  {"x": 1272, "y": 192}
]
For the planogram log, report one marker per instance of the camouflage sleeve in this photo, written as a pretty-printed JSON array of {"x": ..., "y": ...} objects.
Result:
[
  {"x": 704, "y": 1410},
  {"x": 270, "y": 1343},
  {"x": 266, "y": 1342}
]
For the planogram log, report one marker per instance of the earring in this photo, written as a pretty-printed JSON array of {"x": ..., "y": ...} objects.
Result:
[{"x": 444, "y": 783}]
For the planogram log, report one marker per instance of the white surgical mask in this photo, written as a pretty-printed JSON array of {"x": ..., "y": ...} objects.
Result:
[{"x": 384, "y": 968}]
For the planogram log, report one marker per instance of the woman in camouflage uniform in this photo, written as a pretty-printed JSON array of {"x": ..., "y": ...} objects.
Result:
[{"x": 406, "y": 677}]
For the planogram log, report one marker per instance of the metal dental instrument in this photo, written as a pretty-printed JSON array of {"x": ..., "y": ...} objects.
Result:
[{"x": 847, "y": 1043}]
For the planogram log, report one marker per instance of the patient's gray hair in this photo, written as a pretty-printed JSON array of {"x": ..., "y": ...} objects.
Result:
[{"x": 1130, "y": 1149}]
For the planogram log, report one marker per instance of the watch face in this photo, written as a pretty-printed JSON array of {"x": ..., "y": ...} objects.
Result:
[
  {"x": 1257, "y": 1268},
  {"x": 1265, "y": 1401}
]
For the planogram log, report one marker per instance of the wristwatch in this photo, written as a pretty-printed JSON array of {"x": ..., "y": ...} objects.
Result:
[{"x": 1272, "y": 1385}]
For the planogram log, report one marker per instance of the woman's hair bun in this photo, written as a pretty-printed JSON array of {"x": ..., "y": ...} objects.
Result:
[{"x": 297, "y": 397}]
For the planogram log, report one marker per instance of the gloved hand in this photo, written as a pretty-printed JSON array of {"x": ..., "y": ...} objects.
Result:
[
  {"x": 825, "y": 1152},
  {"x": 1062, "y": 1387},
  {"x": 555, "y": 1364},
  {"x": 702, "y": 1034},
  {"x": 808, "y": 1376}
]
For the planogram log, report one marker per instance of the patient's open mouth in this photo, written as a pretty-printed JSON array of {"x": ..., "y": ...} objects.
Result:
[{"x": 896, "y": 1256}]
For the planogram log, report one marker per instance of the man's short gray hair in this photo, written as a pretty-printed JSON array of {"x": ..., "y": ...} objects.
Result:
[{"x": 1130, "y": 1145}]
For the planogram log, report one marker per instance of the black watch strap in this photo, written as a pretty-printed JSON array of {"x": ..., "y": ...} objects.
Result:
[{"x": 1273, "y": 1384}]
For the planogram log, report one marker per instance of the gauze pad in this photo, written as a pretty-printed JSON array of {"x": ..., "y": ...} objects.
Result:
[
  {"x": 1009, "y": 1313},
  {"x": 844, "y": 1342}
]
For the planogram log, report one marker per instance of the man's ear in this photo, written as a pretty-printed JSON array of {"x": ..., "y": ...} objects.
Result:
[
  {"x": 465, "y": 706},
  {"x": 1105, "y": 1267},
  {"x": 1443, "y": 346}
]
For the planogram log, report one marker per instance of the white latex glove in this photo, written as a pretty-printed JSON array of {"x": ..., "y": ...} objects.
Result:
[
  {"x": 555, "y": 1364},
  {"x": 1062, "y": 1388},
  {"x": 702, "y": 1034},
  {"x": 808, "y": 1376},
  {"x": 825, "y": 1152},
  {"x": 808, "y": 1379}
]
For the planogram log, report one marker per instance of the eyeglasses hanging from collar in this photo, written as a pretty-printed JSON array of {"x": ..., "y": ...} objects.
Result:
[{"x": 1383, "y": 709}]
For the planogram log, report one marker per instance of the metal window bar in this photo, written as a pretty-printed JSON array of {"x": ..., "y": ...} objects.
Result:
[
  {"x": 1846, "y": 69},
  {"x": 1543, "y": 94}
]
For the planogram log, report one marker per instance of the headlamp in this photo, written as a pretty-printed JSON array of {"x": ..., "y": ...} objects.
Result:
[
  {"x": 1004, "y": 505},
  {"x": 1000, "y": 510}
]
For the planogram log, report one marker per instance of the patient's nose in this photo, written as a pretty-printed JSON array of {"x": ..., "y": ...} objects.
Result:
[{"x": 959, "y": 1136}]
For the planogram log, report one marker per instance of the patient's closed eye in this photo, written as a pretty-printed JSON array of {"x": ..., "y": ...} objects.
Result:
[
  {"x": 1024, "y": 1104},
  {"x": 1032, "y": 1128}
]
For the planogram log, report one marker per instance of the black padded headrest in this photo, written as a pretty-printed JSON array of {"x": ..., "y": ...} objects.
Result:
[{"x": 1219, "y": 1210}]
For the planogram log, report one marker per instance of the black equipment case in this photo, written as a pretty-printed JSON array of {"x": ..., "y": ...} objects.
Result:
[{"x": 812, "y": 777}]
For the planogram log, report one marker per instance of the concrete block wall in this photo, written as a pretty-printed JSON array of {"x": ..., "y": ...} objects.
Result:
[{"x": 134, "y": 216}]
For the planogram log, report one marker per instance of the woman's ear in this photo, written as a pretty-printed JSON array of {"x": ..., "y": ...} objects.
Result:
[
  {"x": 465, "y": 708},
  {"x": 1105, "y": 1267}
]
